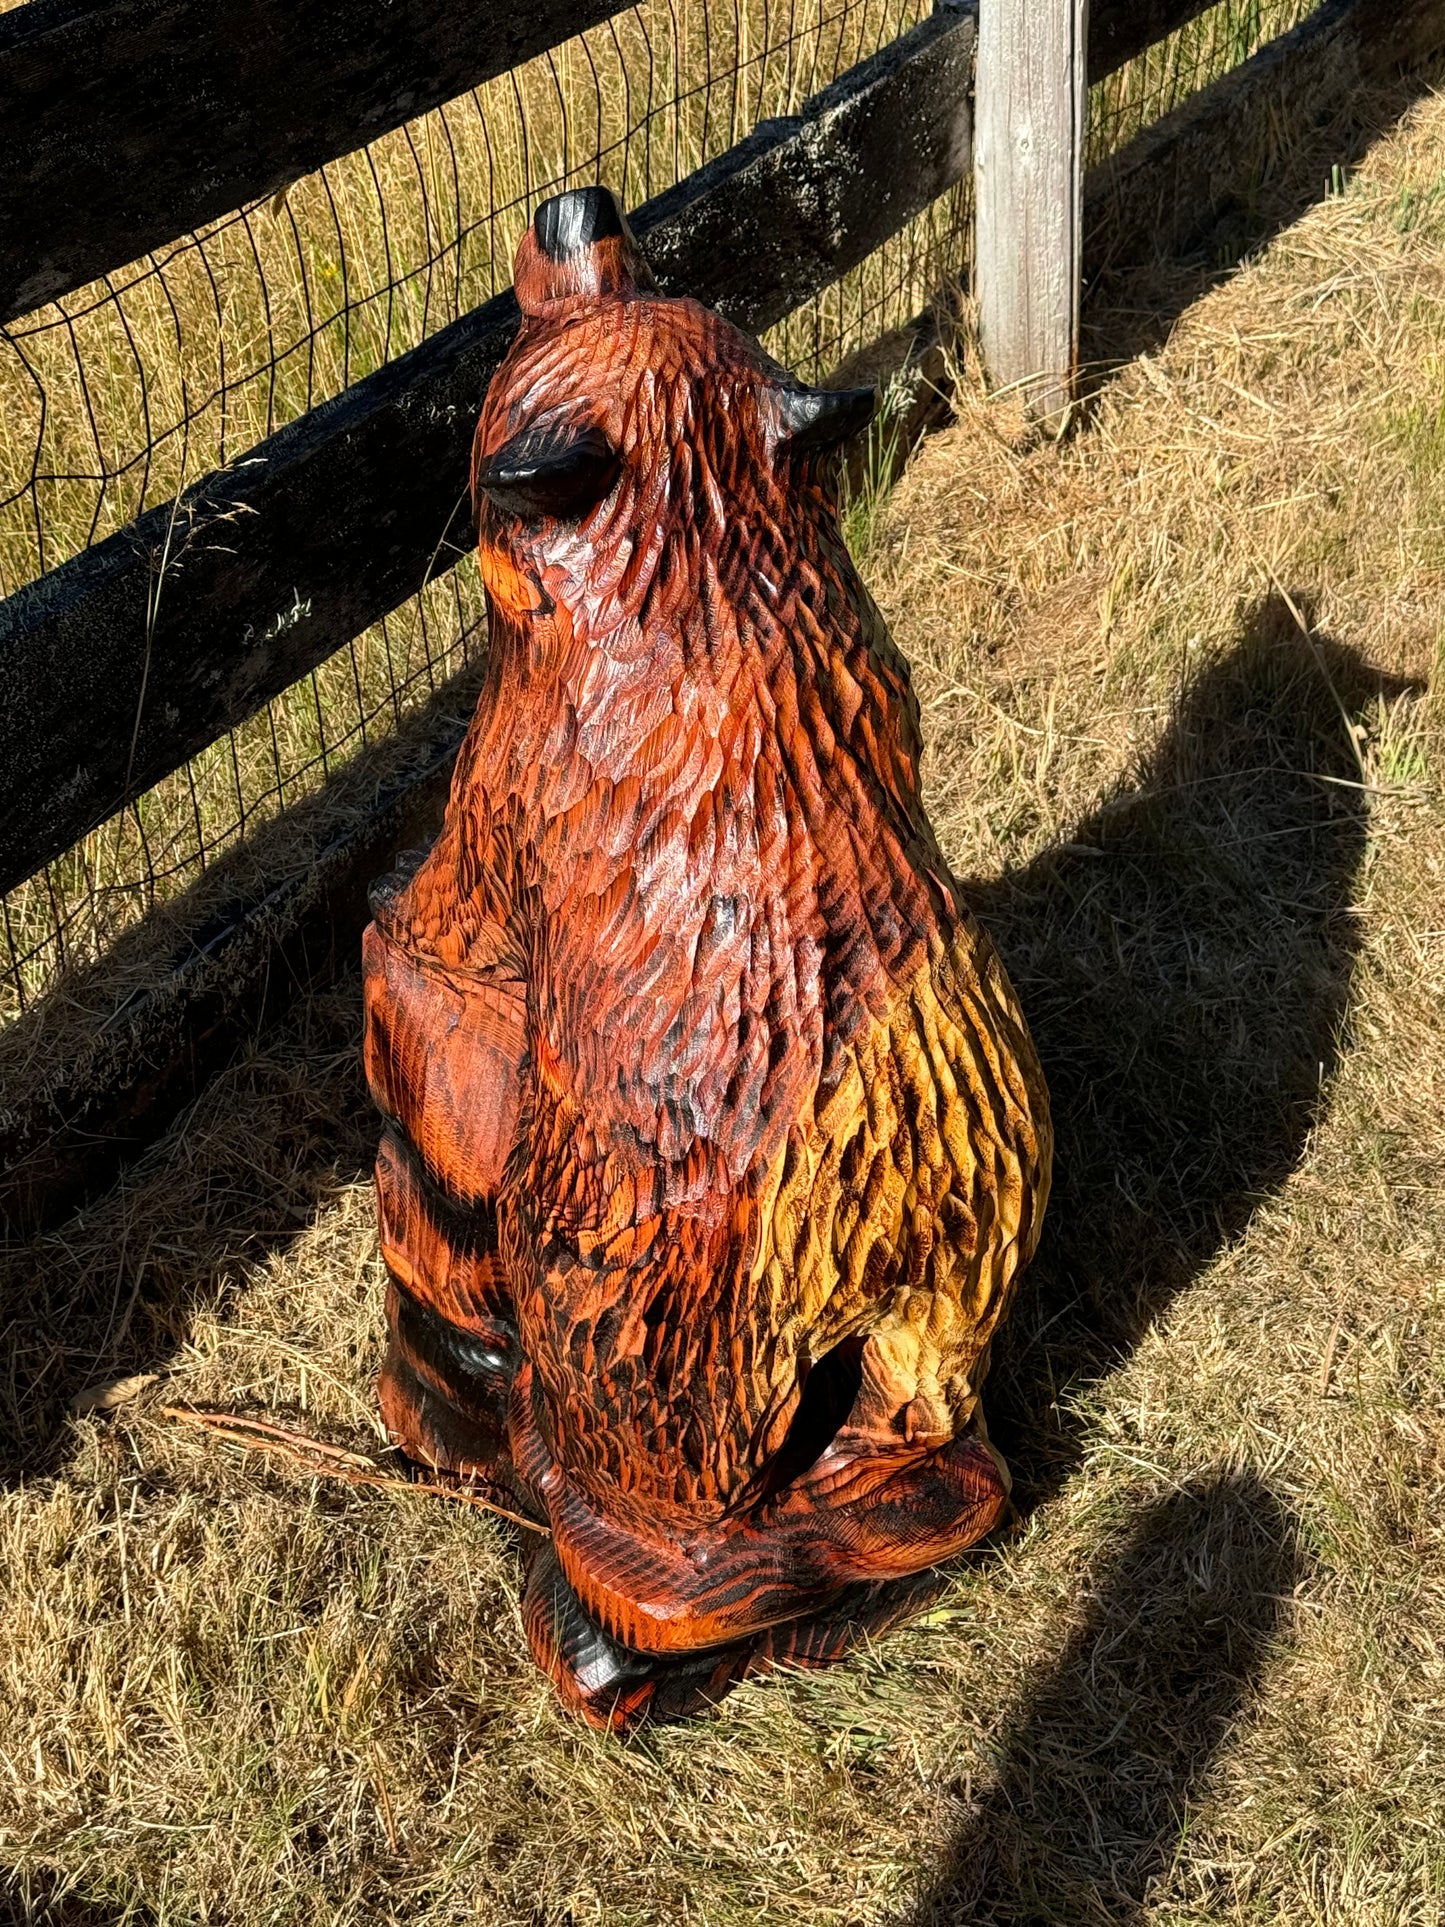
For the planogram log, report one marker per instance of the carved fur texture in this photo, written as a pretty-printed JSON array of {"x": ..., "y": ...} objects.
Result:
[{"x": 714, "y": 1137}]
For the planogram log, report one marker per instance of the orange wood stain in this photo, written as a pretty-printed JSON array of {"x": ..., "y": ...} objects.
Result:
[{"x": 715, "y": 1139}]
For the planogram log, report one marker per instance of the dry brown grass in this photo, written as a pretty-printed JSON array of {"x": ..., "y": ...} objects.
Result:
[{"x": 1181, "y": 684}]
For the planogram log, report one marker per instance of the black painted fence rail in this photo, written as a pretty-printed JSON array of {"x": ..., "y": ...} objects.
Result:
[
  {"x": 126, "y": 123},
  {"x": 124, "y": 662}
]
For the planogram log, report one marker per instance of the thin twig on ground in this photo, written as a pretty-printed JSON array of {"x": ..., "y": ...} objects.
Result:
[{"x": 332, "y": 1461}]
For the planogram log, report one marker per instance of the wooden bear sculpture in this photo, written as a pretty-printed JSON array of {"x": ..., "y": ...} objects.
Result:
[{"x": 714, "y": 1140}]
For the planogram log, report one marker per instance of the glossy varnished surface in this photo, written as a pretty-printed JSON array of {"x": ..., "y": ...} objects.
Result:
[{"x": 715, "y": 1140}]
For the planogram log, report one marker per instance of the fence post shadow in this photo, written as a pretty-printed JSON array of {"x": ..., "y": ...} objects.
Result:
[
  {"x": 1178, "y": 210},
  {"x": 1184, "y": 962},
  {"x": 1116, "y": 1743}
]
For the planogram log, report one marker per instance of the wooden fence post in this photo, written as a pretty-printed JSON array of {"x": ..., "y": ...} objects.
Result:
[{"x": 1030, "y": 116}]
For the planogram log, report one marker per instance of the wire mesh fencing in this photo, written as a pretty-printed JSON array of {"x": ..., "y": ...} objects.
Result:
[
  {"x": 1166, "y": 74},
  {"x": 119, "y": 396}
]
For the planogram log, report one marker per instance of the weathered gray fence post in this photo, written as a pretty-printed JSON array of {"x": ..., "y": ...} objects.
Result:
[{"x": 1029, "y": 122}]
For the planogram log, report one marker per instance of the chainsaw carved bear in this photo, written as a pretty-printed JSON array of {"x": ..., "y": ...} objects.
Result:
[{"x": 714, "y": 1140}]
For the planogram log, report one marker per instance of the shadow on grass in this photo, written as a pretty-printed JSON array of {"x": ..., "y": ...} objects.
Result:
[
  {"x": 210, "y": 1060},
  {"x": 1112, "y": 1747},
  {"x": 1184, "y": 962},
  {"x": 48, "y": 1899},
  {"x": 243, "y": 1173},
  {"x": 1176, "y": 211}
]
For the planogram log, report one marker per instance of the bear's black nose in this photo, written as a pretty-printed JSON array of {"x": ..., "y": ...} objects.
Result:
[{"x": 570, "y": 222}]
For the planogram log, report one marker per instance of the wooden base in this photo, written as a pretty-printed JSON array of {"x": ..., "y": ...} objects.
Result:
[
  {"x": 614, "y": 1688},
  {"x": 445, "y": 1396}
]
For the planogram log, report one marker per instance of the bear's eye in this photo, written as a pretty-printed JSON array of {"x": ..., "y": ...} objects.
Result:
[{"x": 553, "y": 471}]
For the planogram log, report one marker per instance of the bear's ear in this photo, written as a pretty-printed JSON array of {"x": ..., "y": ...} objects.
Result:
[
  {"x": 579, "y": 247},
  {"x": 556, "y": 470},
  {"x": 814, "y": 419}
]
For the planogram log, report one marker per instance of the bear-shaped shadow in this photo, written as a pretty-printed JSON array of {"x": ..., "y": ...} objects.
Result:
[{"x": 1184, "y": 962}]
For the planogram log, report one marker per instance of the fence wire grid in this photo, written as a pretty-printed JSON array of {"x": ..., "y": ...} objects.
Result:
[{"x": 122, "y": 394}]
